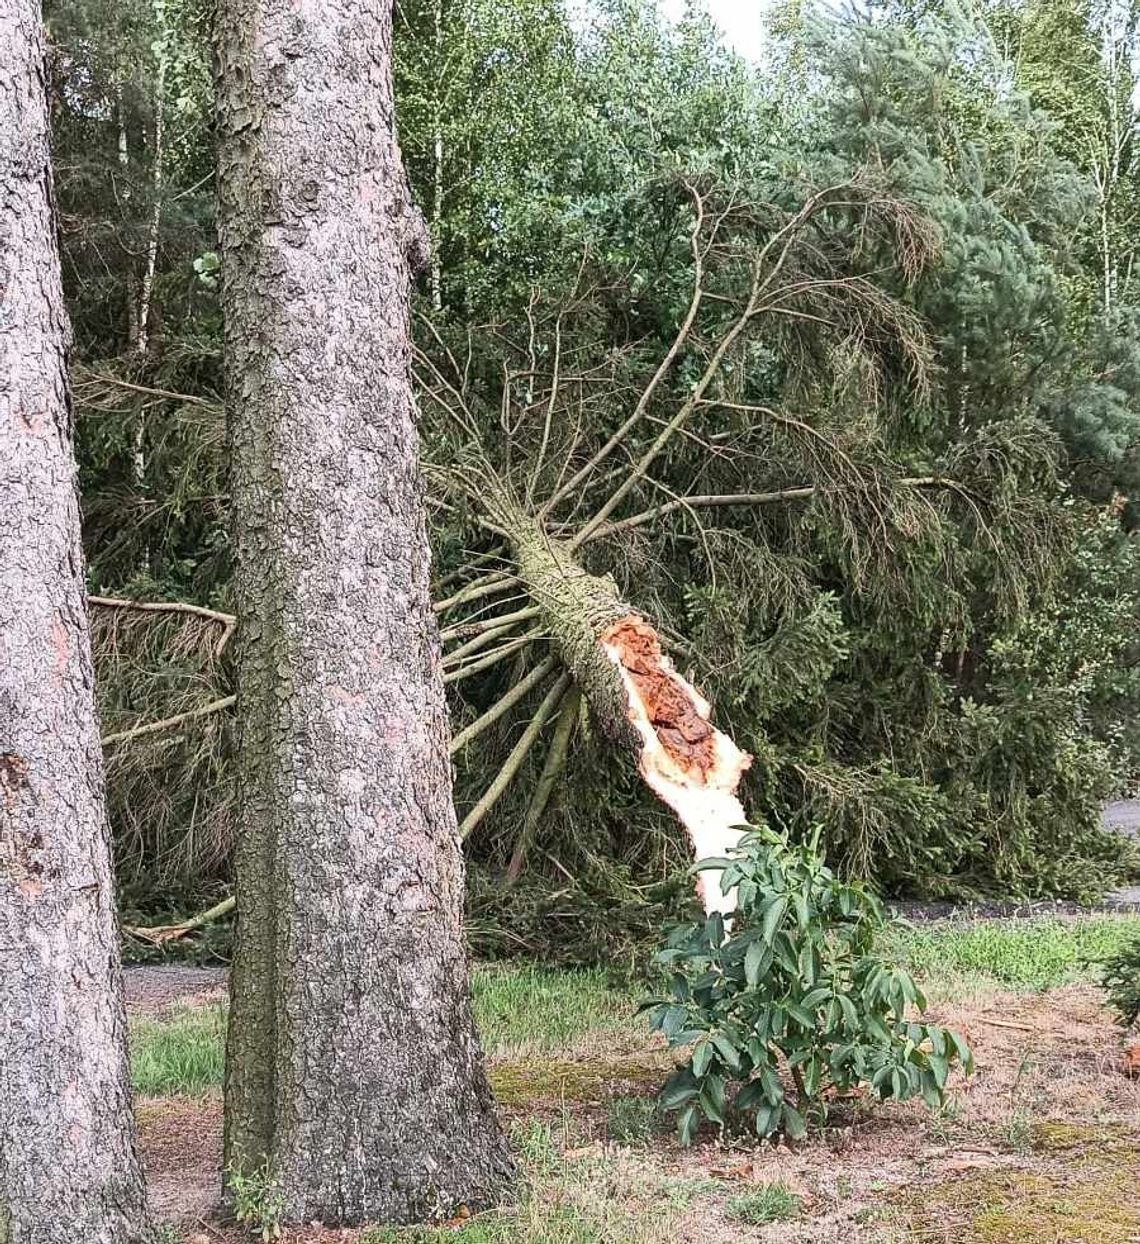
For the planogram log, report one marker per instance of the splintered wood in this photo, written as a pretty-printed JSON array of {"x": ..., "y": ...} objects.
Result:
[{"x": 685, "y": 760}]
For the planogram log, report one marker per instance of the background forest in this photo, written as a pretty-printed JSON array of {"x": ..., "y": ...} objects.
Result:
[{"x": 873, "y": 305}]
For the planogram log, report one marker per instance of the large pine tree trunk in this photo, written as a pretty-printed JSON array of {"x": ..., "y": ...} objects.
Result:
[
  {"x": 68, "y": 1172},
  {"x": 353, "y": 1065}
]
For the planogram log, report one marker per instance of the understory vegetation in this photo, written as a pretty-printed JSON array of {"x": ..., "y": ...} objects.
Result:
[
  {"x": 525, "y": 1012},
  {"x": 1045, "y": 1120},
  {"x": 796, "y": 983},
  {"x": 828, "y": 366}
]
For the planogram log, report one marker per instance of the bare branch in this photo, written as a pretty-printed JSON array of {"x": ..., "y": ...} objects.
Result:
[
  {"x": 167, "y": 723},
  {"x": 187, "y": 399},
  {"x": 485, "y": 585},
  {"x": 492, "y": 658},
  {"x": 551, "y": 772},
  {"x": 497, "y": 710},
  {"x": 666, "y": 434},
  {"x": 227, "y": 621},
  {"x": 462, "y": 629},
  {"x": 159, "y": 934},
  {"x": 480, "y": 559},
  {"x": 499, "y": 627},
  {"x": 518, "y": 754}
]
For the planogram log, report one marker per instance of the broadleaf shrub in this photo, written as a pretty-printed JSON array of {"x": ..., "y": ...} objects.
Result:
[
  {"x": 791, "y": 1005},
  {"x": 1122, "y": 980}
]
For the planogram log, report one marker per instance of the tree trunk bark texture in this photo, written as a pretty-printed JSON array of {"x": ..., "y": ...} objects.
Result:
[
  {"x": 68, "y": 1170},
  {"x": 640, "y": 701},
  {"x": 353, "y": 1067}
]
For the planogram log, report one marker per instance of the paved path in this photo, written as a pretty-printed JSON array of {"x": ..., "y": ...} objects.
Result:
[{"x": 1124, "y": 817}]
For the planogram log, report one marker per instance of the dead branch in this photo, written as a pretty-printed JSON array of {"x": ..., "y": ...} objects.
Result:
[
  {"x": 486, "y": 585},
  {"x": 666, "y": 434},
  {"x": 187, "y": 399},
  {"x": 498, "y": 709},
  {"x": 518, "y": 754},
  {"x": 167, "y": 723},
  {"x": 158, "y": 935},
  {"x": 480, "y": 559},
  {"x": 461, "y": 630},
  {"x": 227, "y": 621},
  {"x": 492, "y": 658},
  {"x": 551, "y": 772},
  {"x": 496, "y": 630}
]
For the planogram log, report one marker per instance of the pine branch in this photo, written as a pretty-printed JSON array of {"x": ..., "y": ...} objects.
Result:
[
  {"x": 551, "y": 772},
  {"x": 518, "y": 754},
  {"x": 579, "y": 476},
  {"x": 662, "y": 439},
  {"x": 498, "y": 630},
  {"x": 739, "y": 498},
  {"x": 187, "y": 399}
]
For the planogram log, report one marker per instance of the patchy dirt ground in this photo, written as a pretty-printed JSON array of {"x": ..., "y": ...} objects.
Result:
[
  {"x": 153, "y": 989},
  {"x": 1040, "y": 1146}
]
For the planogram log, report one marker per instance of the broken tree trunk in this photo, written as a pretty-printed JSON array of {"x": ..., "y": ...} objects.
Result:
[{"x": 639, "y": 700}]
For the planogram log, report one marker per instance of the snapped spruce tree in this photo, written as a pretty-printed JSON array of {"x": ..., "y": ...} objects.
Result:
[{"x": 891, "y": 655}]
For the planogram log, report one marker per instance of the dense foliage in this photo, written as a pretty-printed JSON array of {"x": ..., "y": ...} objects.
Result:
[
  {"x": 1122, "y": 981},
  {"x": 796, "y": 986},
  {"x": 943, "y": 674}
]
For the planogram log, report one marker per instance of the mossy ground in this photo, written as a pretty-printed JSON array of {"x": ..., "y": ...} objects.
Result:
[
  {"x": 1092, "y": 1196},
  {"x": 1041, "y": 1146}
]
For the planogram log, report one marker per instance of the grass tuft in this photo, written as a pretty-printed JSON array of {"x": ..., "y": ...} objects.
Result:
[
  {"x": 769, "y": 1203},
  {"x": 633, "y": 1121},
  {"x": 181, "y": 1055}
]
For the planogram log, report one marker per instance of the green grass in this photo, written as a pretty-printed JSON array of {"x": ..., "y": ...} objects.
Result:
[
  {"x": 1040, "y": 953},
  {"x": 769, "y": 1203},
  {"x": 183, "y": 1054},
  {"x": 527, "y": 1009},
  {"x": 520, "y": 1011},
  {"x": 633, "y": 1120}
]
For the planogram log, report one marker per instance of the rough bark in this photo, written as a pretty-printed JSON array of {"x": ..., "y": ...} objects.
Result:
[
  {"x": 353, "y": 1067},
  {"x": 68, "y": 1171},
  {"x": 638, "y": 698}
]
